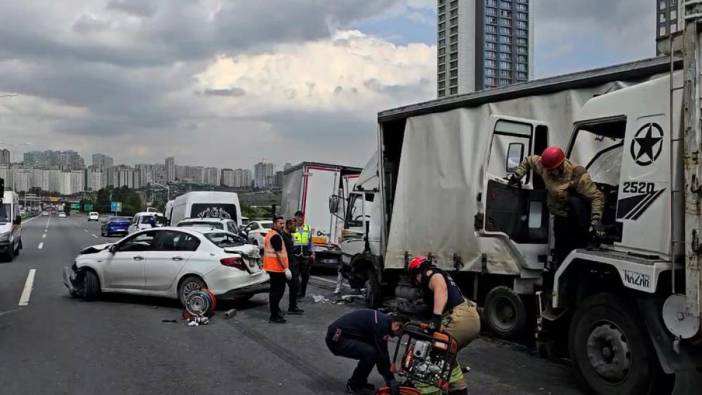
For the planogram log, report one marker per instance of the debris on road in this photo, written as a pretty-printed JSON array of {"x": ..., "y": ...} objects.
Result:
[
  {"x": 230, "y": 313},
  {"x": 320, "y": 299}
]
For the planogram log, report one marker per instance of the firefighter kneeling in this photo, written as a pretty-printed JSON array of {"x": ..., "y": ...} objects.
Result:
[{"x": 451, "y": 313}]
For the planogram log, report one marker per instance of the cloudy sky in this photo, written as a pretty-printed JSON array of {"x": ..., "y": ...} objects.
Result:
[{"x": 228, "y": 83}]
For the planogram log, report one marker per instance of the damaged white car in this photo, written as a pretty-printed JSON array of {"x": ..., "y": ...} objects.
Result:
[{"x": 169, "y": 262}]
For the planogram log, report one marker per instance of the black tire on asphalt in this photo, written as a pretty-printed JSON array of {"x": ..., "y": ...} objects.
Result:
[
  {"x": 373, "y": 294},
  {"x": 91, "y": 286},
  {"x": 610, "y": 330},
  {"x": 505, "y": 313},
  {"x": 184, "y": 285}
]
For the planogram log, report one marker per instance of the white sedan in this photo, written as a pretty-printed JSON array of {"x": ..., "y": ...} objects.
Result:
[
  {"x": 257, "y": 230},
  {"x": 169, "y": 262}
]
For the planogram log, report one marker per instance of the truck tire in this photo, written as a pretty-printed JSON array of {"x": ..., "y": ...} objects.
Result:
[
  {"x": 373, "y": 293},
  {"x": 91, "y": 286},
  {"x": 610, "y": 350},
  {"x": 505, "y": 312}
]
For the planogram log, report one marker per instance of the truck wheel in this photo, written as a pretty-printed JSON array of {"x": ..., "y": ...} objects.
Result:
[
  {"x": 610, "y": 349},
  {"x": 373, "y": 293},
  {"x": 505, "y": 312},
  {"x": 91, "y": 286}
]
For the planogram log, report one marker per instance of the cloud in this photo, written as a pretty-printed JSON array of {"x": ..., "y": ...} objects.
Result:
[
  {"x": 231, "y": 92},
  {"x": 139, "y": 8}
]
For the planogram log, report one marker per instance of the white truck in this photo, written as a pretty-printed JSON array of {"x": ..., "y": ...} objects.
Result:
[
  {"x": 627, "y": 313},
  {"x": 307, "y": 187},
  {"x": 10, "y": 225},
  {"x": 204, "y": 204}
]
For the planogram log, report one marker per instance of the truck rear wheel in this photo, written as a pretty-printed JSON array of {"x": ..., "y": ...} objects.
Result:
[
  {"x": 610, "y": 349},
  {"x": 505, "y": 312}
]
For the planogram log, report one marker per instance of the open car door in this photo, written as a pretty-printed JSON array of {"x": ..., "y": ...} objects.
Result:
[{"x": 517, "y": 213}]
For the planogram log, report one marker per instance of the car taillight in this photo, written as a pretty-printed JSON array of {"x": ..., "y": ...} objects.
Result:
[{"x": 234, "y": 261}]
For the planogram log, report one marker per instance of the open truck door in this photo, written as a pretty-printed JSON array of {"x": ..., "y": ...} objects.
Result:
[{"x": 519, "y": 214}]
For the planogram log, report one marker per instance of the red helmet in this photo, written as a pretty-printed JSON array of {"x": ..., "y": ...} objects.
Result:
[
  {"x": 552, "y": 157},
  {"x": 416, "y": 263}
]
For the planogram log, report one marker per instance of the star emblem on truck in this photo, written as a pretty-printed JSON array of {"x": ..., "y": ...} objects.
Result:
[{"x": 647, "y": 144}]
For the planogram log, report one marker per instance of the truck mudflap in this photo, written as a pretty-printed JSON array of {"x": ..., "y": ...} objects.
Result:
[{"x": 679, "y": 357}]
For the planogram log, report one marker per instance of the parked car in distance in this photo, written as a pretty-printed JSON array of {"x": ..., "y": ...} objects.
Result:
[
  {"x": 169, "y": 262},
  {"x": 44, "y": 213},
  {"x": 224, "y": 224},
  {"x": 93, "y": 216},
  {"x": 256, "y": 231},
  {"x": 146, "y": 220},
  {"x": 61, "y": 214},
  {"x": 115, "y": 226}
]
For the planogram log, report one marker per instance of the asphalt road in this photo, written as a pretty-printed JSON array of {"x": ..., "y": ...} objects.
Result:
[{"x": 119, "y": 344}]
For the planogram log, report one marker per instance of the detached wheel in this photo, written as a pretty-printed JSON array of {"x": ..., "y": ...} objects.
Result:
[
  {"x": 504, "y": 312},
  {"x": 610, "y": 350},
  {"x": 91, "y": 286},
  {"x": 189, "y": 285},
  {"x": 373, "y": 293}
]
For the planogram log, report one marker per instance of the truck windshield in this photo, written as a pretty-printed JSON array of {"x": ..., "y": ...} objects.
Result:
[
  {"x": 599, "y": 148},
  {"x": 354, "y": 215},
  {"x": 5, "y": 213}
]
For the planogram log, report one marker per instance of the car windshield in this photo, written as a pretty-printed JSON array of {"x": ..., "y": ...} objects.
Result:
[
  {"x": 5, "y": 213},
  {"x": 223, "y": 239},
  {"x": 213, "y": 225}
]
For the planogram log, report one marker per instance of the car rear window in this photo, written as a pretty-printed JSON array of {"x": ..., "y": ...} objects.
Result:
[{"x": 221, "y": 239}]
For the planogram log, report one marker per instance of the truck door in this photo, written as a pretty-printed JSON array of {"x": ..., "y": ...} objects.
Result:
[{"x": 520, "y": 214}]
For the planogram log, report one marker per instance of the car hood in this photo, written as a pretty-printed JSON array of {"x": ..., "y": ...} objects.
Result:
[{"x": 96, "y": 248}]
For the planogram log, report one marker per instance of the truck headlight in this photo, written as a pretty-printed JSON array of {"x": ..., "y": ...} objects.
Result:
[{"x": 5, "y": 236}]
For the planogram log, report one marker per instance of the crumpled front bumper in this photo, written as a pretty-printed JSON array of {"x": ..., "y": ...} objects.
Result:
[{"x": 71, "y": 279}]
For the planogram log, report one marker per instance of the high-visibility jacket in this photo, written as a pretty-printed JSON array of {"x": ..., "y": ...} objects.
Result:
[
  {"x": 270, "y": 259},
  {"x": 303, "y": 236}
]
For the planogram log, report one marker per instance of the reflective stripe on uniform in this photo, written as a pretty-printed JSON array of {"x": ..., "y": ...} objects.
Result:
[{"x": 302, "y": 235}]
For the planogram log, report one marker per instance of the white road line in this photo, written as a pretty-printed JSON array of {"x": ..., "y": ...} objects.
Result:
[
  {"x": 323, "y": 279},
  {"x": 27, "y": 291},
  {"x": 94, "y": 236},
  {"x": 43, "y": 236},
  {"x": 41, "y": 245},
  {"x": 85, "y": 230}
]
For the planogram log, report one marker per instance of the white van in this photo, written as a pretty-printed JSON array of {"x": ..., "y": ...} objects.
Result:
[
  {"x": 205, "y": 205},
  {"x": 146, "y": 220},
  {"x": 10, "y": 228}
]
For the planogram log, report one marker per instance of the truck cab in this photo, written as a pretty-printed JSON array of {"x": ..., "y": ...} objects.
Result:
[{"x": 10, "y": 226}]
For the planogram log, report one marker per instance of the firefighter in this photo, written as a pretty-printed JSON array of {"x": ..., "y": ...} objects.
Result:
[
  {"x": 452, "y": 313},
  {"x": 573, "y": 199},
  {"x": 303, "y": 251},
  {"x": 363, "y": 335}
]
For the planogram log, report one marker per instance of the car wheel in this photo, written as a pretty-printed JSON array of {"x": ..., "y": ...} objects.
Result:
[
  {"x": 188, "y": 285},
  {"x": 91, "y": 286},
  {"x": 610, "y": 350},
  {"x": 373, "y": 293},
  {"x": 505, "y": 312}
]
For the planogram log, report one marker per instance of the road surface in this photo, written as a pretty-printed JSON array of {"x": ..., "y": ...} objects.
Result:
[{"x": 119, "y": 344}]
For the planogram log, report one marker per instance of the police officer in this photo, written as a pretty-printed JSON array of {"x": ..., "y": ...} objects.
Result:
[
  {"x": 275, "y": 263},
  {"x": 451, "y": 311},
  {"x": 303, "y": 251},
  {"x": 571, "y": 196},
  {"x": 294, "y": 282},
  {"x": 363, "y": 335}
]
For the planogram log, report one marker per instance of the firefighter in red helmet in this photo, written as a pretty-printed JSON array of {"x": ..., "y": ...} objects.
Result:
[
  {"x": 570, "y": 189},
  {"x": 451, "y": 311}
]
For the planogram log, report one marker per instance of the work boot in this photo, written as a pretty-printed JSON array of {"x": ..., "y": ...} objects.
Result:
[
  {"x": 359, "y": 388},
  {"x": 277, "y": 320}
]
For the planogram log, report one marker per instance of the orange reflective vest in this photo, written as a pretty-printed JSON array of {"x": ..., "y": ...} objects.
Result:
[{"x": 270, "y": 260}]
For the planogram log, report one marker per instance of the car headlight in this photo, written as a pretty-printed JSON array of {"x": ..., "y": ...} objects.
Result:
[{"x": 5, "y": 236}]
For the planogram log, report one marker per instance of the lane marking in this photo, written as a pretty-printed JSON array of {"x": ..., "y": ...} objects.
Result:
[
  {"x": 43, "y": 236},
  {"x": 28, "y": 286},
  {"x": 85, "y": 230},
  {"x": 9, "y": 311},
  {"x": 94, "y": 236},
  {"x": 41, "y": 245}
]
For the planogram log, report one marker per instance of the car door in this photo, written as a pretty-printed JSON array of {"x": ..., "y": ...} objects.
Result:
[
  {"x": 124, "y": 268},
  {"x": 173, "y": 250}
]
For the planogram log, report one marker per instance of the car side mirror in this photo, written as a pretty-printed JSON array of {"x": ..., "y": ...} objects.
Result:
[
  {"x": 334, "y": 204},
  {"x": 113, "y": 248}
]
